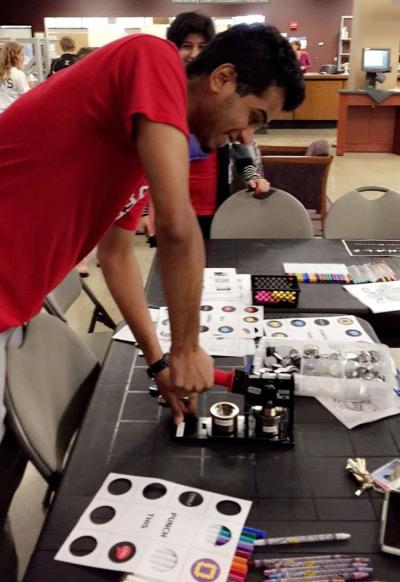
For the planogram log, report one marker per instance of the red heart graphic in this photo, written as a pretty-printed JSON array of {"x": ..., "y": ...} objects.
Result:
[{"x": 123, "y": 552}]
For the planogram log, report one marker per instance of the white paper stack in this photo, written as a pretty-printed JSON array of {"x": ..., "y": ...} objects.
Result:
[{"x": 228, "y": 322}]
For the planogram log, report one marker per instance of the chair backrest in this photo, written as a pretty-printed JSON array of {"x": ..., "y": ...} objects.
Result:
[
  {"x": 279, "y": 215},
  {"x": 49, "y": 382},
  {"x": 64, "y": 295},
  {"x": 304, "y": 176},
  {"x": 67, "y": 292},
  {"x": 355, "y": 217}
]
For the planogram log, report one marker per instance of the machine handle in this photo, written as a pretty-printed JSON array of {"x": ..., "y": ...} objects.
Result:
[{"x": 224, "y": 378}]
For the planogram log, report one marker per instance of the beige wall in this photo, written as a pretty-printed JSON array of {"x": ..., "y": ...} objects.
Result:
[{"x": 376, "y": 24}]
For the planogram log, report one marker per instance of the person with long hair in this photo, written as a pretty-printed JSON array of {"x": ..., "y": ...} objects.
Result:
[
  {"x": 302, "y": 56},
  {"x": 13, "y": 82}
]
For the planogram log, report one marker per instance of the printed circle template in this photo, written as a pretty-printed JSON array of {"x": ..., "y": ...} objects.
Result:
[
  {"x": 205, "y": 569},
  {"x": 225, "y": 329},
  {"x": 298, "y": 323},
  {"x": 102, "y": 514},
  {"x": 163, "y": 560},
  {"x": 83, "y": 546},
  {"x": 345, "y": 320},
  {"x": 250, "y": 319},
  {"x": 122, "y": 552},
  {"x": 322, "y": 322},
  {"x": 154, "y": 491},
  {"x": 228, "y": 507},
  {"x": 353, "y": 332},
  {"x": 218, "y": 535},
  {"x": 191, "y": 499},
  {"x": 119, "y": 486}
]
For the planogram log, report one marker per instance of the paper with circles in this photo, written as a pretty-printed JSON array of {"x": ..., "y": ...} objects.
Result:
[
  {"x": 338, "y": 328},
  {"x": 157, "y": 529}
]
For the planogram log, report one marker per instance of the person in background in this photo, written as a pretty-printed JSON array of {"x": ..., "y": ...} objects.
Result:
[
  {"x": 302, "y": 56},
  {"x": 67, "y": 58},
  {"x": 190, "y": 32},
  {"x": 13, "y": 82},
  {"x": 210, "y": 173},
  {"x": 84, "y": 51}
]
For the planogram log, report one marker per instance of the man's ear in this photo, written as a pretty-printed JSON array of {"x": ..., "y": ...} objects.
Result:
[{"x": 221, "y": 77}]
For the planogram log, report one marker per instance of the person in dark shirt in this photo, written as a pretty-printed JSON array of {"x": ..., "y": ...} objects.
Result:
[{"x": 67, "y": 58}]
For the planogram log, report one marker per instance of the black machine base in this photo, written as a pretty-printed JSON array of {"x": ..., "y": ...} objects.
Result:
[{"x": 201, "y": 428}]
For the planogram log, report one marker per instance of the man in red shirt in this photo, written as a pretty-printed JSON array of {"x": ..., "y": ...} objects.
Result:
[{"x": 74, "y": 149}]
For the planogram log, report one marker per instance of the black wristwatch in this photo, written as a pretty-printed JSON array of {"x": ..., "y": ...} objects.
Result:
[{"x": 158, "y": 366}]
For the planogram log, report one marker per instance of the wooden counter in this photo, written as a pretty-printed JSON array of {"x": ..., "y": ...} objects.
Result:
[
  {"x": 322, "y": 99},
  {"x": 367, "y": 126}
]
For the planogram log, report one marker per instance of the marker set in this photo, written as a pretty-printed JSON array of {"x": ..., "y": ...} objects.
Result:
[
  {"x": 318, "y": 272},
  {"x": 340, "y": 273},
  {"x": 241, "y": 560},
  {"x": 145, "y": 526},
  {"x": 334, "y": 568},
  {"x": 371, "y": 273}
]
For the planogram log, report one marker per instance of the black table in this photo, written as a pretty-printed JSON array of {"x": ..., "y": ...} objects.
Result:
[
  {"x": 267, "y": 257},
  {"x": 303, "y": 490}
]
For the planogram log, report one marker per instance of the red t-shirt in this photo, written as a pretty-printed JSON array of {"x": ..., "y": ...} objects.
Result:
[
  {"x": 203, "y": 185},
  {"x": 131, "y": 213},
  {"x": 68, "y": 163}
]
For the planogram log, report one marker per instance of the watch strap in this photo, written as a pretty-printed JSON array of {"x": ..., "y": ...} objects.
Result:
[{"x": 158, "y": 366}]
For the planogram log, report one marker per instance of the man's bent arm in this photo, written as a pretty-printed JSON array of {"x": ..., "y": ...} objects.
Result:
[
  {"x": 122, "y": 274},
  {"x": 164, "y": 153}
]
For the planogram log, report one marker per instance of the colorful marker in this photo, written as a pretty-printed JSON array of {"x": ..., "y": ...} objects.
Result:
[
  {"x": 312, "y": 572},
  {"x": 294, "y": 560},
  {"x": 320, "y": 564},
  {"x": 333, "y": 565},
  {"x": 357, "y": 576},
  {"x": 334, "y": 537}
]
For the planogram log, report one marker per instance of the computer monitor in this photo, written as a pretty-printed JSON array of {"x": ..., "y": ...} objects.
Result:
[{"x": 376, "y": 60}]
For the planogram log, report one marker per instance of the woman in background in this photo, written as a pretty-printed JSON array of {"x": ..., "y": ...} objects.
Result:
[
  {"x": 13, "y": 82},
  {"x": 302, "y": 56},
  {"x": 211, "y": 173}
]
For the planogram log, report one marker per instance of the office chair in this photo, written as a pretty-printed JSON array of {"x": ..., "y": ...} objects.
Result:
[
  {"x": 65, "y": 294},
  {"x": 49, "y": 382},
  {"x": 302, "y": 171},
  {"x": 355, "y": 217},
  {"x": 279, "y": 215}
]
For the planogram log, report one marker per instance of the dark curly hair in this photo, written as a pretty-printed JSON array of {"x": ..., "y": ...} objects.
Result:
[
  {"x": 261, "y": 56},
  {"x": 190, "y": 23}
]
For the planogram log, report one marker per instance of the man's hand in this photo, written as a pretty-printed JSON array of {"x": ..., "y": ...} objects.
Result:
[
  {"x": 260, "y": 188},
  {"x": 188, "y": 374},
  {"x": 192, "y": 371},
  {"x": 178, "y": 406}
]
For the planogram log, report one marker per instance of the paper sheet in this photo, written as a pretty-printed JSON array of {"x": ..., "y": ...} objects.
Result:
[
  {"x": 144, "y": 525},
  {"x": 338, "y": 328},
  {"x": 379, "y": 297}
]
